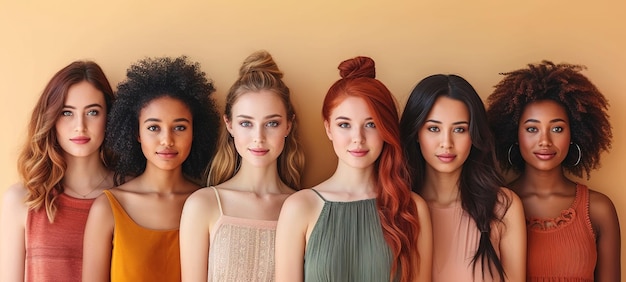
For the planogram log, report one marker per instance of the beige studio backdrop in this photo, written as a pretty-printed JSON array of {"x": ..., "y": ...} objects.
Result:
[{"x": 408, "y": 40}]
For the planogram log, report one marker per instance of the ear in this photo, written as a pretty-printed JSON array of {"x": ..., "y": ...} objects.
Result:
[
  {"x": 228, "y": 123},
  {"x": 327, "y": 128}
]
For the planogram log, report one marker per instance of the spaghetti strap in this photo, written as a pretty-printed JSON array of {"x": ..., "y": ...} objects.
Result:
[
  {"x": 219, "y": 203},
  {"x": 318, "y": 193}
]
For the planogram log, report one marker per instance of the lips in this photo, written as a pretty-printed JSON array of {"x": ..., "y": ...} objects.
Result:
[
  {"x": 358, "y": 153},
  {"x": 80, "y": 140},
  {"x": 545, "y": 155},
  {"x": 258, "y": 151},
  {"x": 446, "y": 158},
  {"x": 168, "y": 154}
]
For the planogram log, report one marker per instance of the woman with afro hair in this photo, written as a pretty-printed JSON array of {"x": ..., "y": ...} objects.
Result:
[
  {"x": 549, "y": 120},
  {"x": 164, "y": 129}
]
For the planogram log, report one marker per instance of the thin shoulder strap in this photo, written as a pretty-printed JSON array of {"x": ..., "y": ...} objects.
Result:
[
  {"x": 219, "y": 203},
  {"x": 318, "y": 193}
]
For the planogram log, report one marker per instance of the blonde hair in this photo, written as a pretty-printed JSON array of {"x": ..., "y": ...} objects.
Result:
[
  {"x": 40, "y": 163},
  {"x": 258, "y": 72}
]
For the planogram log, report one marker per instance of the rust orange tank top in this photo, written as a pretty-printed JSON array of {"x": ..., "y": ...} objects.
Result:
[
  {"x": 142, "y": 254},
  {"x": 54, "y": 251},
  {"x": 563, "y": 248}
]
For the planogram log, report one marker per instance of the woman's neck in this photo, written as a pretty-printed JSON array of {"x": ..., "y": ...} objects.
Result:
[
  {"x": 156, "y": 180},
  {"x": 441, "y": 188},
  {"x": 541, "y": 180},
  {"x": 354, "y": 180},
  {"x": 86, "y": 176},
  {"x": 259, "y": 180}
]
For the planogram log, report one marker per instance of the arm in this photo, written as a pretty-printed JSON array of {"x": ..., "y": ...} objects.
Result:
[
  {"x": 98, "y": 241},
  {"x": 195, "y": 235},
  {"x": 424, "y": 241},
  {"x": 12, "y": 234},
  {"x": 291, "y": 239},
  {"x": 513, "y": 239},
  {"x": 606, "y": 226}
]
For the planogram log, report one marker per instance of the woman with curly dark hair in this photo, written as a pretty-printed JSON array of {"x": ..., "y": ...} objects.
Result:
[
  {"x": 63, "y": 168},
  {"x": 164, "y": 127},
  {"x": 549, "y": 119},
  {"x": 478, "y": 225}
]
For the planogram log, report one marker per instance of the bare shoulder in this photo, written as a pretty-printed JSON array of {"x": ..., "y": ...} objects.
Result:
[
  {"x": 201, "y": 200},
  {"x": 15, "y": 196},
  {"x": 509, "y": 204},
  {"x": 302, "y": 201},
  {"x": 601, "y": 208},
  {"x": 419, "y": 202}
]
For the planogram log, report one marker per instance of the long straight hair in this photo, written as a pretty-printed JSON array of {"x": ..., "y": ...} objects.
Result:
[
  {"x": 40, "y": 163},
  {"x": 480, "y": 183}
]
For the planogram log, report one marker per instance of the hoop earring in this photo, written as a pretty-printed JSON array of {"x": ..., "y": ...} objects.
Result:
[
  {"x": 580, "y": 154},
  {"x": 508, "y": 154}
]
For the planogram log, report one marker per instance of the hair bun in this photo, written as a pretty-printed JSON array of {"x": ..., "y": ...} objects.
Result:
[
  {"x": 357, "y": 67},
  {"x": 260, "y": 61}
]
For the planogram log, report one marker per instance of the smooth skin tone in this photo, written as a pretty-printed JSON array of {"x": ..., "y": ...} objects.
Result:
[
  {"x": 544, "y": 141},
  {"x": 357, "y": 144},
  {"x": 445, "y": 143},
  {"x": 80, "y": 132},
  {"x": 154, "y": 199},
  {"x": 259, "y": 125}
]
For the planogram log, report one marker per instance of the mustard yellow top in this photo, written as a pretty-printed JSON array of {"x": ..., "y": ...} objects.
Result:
[{"x": 142, "y": 254}]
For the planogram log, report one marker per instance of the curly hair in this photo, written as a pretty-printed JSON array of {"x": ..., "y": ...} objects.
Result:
[
  {"x": 480, "y": 183},
  {"x": 396, "y": 208},
  {"x": 153, "y": 78},
  {"x": 586, "y": 109},
  {"x": 40, "y": 163},
  {"x": 259, "y": 72}
]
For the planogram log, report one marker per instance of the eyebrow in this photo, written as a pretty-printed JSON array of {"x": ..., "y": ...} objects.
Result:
[
  {"x": 88, "y": 106},
  {"x": 454, "y": 123},
  {"x": 266, "y": 117},
  {"x": 551, "y": 121},
  {"x": 158, "y": 120},
  {"x": 347, "y": 118}
]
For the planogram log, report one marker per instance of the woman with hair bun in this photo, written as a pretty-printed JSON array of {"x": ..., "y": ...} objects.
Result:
[
  {"x": 363, "y": 223},
  {"x": 550, "y": 119},
  {"x": 228, "y": 230}
]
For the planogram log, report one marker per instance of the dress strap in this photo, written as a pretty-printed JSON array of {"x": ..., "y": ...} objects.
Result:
[
  {"x": 318, "y": 193},
  {"x": 219, "y": 203}
]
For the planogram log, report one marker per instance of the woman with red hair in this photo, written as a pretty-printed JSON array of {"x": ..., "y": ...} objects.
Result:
[{"x": 363, "y": 223}]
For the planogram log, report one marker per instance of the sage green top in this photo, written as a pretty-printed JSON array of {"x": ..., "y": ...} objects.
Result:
[{"x": 347, "y": 244}]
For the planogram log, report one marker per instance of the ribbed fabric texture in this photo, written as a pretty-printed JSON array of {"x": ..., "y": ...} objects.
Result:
[
  {"x": 347, "y": 244},
  {"x": 141, "y": 254},
  {"x": 563, "y": 248},
  {"x": 241, "y": 249},
  {"x": 455, "y": 241},
  {"x": 54, "y": 251}
]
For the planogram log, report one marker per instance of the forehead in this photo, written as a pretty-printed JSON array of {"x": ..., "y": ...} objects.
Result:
[
  {"x": 448, "y": 109},
  {"x": 544, "y": 110},
  {"x": 165, "y": 108},
  {"x": 260, "y": 103},
  {"x": 83, "y": 93},
  {"x": 351, "y": 107}
]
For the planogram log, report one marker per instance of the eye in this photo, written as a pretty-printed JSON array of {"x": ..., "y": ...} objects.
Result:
[
  {"x": 531, "y": 129},
  {"x": 93, "y": 112},
  {"x": 180, "y": 128},
  {"x": 245, "y": 124},
  {"x": 432, "y": 129},
  {"x": 370, "y": 124},
  {"x": 66, "y": 113},
  {"x": 344, "y": 125},
  {"x": 272, "y": 124},
  {"x": 459, "y": 130},
  {"x": 153, "y": 128},
  {"x": 557, "y": 129}
]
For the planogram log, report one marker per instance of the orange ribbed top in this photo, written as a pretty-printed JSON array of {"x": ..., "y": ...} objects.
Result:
[
  {"x": 54, "y": 251},
  {"x": 142, "y": 254},
  {"x": 563, "y": 248}
]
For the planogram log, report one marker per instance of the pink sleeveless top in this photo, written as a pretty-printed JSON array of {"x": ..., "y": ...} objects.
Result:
[
  {"x": 241, "y": 249},
  {"x": 455, "y": 241},
  {"x": 54, "y": 251},
  {"x": 563, "y": 248}
]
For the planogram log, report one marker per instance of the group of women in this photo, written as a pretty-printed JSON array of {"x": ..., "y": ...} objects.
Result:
[{"x": 112, "y": 184}]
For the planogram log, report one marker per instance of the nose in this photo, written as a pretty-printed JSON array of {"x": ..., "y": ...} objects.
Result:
[
  {"x": 167, "y": 139},
  {"x": 259, "y": 134},
  {"x": 446, "y": 140},
  {"x": 544, "y": 139},
  {"x": 358, "y": 136},
  {"x": 80, "y": 123}
]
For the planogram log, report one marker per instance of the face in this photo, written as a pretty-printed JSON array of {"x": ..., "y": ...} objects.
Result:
[
  {"x": 259, "y": 127},
  {"x": 165, "y": 132},
  {"x": 444, "y": 139},
  {"x": 352, "y": 130},
  {"x": 80, "y": 127},
  {"x": 544, "y": 135}
]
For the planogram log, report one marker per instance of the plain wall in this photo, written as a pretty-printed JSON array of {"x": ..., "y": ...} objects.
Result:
[{"x": 408, "y": 40}]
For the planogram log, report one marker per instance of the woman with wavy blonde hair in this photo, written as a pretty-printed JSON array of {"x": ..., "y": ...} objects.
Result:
[
  {"x": 62, "y": 168},
  {"x": 227, "y": 231},
  {"x": 363, "y": 223}
]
